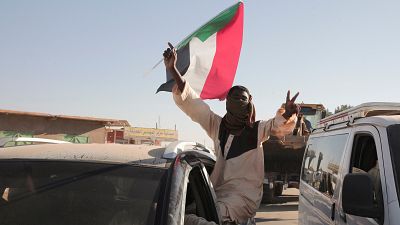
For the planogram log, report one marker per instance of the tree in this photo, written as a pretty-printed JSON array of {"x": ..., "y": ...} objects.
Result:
[
  {"x": 342, "y": 108},
  {"x": 328, "y": 113}
]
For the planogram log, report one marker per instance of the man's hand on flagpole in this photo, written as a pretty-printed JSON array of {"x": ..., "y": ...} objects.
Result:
[
  {"x": 170, "y": 58},
  {"x": 290, "y": 106}
]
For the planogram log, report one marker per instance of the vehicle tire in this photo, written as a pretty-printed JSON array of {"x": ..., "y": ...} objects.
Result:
[
  {"x": 278, "y": 189},
  {"x": 268, "y": 196}
]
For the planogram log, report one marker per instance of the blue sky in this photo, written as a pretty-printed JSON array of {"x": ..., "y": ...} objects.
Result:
[{"x": 88, "y": 58}]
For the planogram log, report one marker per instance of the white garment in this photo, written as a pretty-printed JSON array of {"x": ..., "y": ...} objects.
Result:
[{"x": 237, "y": 181}]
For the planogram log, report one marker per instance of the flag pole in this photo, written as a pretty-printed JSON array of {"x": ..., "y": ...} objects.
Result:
[{"x": 152, "y": 68}]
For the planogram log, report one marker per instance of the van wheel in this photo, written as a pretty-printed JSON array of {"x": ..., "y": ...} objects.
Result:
[
  {"x": 278, "y": 189},
  {"x": 268, "y": 196}
]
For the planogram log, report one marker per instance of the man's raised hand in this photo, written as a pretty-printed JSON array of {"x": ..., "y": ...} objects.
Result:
[
  {"x": 290, "y": 106},
  {"x": 170, "y": 57}
]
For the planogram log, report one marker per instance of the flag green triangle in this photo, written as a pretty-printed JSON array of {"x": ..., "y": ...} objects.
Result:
[{"x": 212, "y": 26}]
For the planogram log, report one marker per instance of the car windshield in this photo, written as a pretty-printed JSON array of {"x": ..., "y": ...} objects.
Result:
[
  {"x": 78, "y": 193},
  {"x": 394, "y": 144},
  {"x": 312, "y": 115}
]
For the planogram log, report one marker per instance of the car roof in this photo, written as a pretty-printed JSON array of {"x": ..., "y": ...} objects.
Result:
[
  {"x": 383, "y": 121},
  {"x": 107, "y": 153},
  {"x": 379, "y": 121}
]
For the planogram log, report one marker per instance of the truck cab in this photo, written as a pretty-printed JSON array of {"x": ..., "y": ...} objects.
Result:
[{"x": 283, "y": 157}]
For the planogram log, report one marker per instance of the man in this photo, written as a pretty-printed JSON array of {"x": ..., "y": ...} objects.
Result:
[{"x": 239, "y": 170}]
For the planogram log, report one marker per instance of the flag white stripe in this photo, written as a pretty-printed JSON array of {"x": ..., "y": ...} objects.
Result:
[{"x": 201, "y": 59}]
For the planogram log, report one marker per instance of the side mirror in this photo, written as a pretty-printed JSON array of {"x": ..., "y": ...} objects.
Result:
[{"x": 358, "y": 196}]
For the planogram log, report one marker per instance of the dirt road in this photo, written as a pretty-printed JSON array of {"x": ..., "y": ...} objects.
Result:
[{"x": 285, "y": 212}]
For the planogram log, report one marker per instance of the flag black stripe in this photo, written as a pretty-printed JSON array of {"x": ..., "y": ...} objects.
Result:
[{"x": 182, "y": 64}]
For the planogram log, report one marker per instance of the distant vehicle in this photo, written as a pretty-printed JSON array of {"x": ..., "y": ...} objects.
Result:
[
  {"x": 17, "y": 141},
  {"x": 105, "y": 184},
  {"x": 351, "y": 168},
  {"x": 283, "y": 157}
]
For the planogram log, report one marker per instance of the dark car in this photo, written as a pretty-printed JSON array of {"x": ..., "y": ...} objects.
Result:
[{"x": 110, "y": 184}]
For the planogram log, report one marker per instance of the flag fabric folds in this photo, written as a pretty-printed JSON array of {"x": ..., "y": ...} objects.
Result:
[{"x": 208, "y": 58}]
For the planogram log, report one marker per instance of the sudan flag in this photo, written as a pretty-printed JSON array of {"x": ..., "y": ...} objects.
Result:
[{"x": 208, "y": 58}]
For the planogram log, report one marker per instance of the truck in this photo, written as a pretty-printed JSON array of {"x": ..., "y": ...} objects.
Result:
[{"x": 283, "y": 156}]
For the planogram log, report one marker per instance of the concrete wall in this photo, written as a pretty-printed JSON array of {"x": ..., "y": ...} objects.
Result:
[{"x": 53, "y": 128}]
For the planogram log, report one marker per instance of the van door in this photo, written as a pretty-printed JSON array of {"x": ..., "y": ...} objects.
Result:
[
  {"x": 321, "y": 166},
  {"x": 306, "y": 197},
  {"x": 365, "y": 157}
]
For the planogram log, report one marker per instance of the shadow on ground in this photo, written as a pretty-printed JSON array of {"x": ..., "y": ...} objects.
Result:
[
  {"x": 278, "y": 208},
  {"x": 282, "y": 203},
  {"x": 260, "y": 220},
  {"x": 284, "y": 199}
]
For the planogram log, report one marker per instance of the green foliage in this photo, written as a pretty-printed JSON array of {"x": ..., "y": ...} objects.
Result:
[
  {"x": 328, "y": 113},
  {"x": 342, "y": 108},
  {"x": 14, "y": 134},
  {"x": 76, "y": 139}
]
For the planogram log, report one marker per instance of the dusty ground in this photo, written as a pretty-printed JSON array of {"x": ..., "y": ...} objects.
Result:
[{"x": 283, "y": 213}]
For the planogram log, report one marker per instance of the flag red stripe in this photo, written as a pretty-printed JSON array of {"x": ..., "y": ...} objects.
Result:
[{"x": 223, "y": 70}]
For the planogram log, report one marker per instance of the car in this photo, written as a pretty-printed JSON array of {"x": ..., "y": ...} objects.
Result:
[
  {"x": 351, "y": 168},
  {"x": 177, "y": 147},
  {"x": 16, "y": 141},
  {"x": 107, "y": 184}
]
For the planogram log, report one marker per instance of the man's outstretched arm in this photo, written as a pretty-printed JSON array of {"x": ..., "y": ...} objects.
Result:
[
  {"x": 188, "y": 100},
  {"x": 284, "y": 121}
]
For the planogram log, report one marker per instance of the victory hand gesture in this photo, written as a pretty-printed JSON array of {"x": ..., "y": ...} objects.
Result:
[{"x": 291, "y": 107}]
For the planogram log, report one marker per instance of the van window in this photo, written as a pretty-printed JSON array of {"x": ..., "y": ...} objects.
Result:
[
  {"x": 364, "y": 159},
  {"x": 394, "y": 144},
  {"x": 321, "y": 162}
]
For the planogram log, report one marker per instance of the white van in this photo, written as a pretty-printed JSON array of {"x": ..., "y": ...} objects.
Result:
[{"x": 351, "y": 168}]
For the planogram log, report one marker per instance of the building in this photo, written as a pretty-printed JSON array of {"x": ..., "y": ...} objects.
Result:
[
  {"x": 140, "y": 135},
  {"x": 78, "y": 129},
  {"x": 60, "y": 127}
]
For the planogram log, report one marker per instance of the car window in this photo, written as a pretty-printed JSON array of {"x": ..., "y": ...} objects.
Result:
[
  {"x": 199, "y": 200},
  {"x": 312, "y": 115},
  {"x": 321, "y": 162},
  {"x": 78, "y": 193},
  {"x": 364, "y": 159},
  {"x": 394, "y": 144}
]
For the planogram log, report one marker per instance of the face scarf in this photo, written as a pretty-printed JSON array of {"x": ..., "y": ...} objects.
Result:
[{"x": 239, "y": 112}]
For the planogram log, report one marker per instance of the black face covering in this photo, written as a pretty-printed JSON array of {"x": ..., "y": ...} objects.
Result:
[{"x": 239, "y": 111}]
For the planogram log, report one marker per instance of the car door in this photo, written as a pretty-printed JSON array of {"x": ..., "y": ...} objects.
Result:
[
  {"x": 306, "y": 197},
  {"x": 200, "y": 191},
  {"x": 191, "y": 191},
  {"x": 365, "y": 157},
  {"x": 200, "y": 187},
  {"x": 321, "y": 167}
]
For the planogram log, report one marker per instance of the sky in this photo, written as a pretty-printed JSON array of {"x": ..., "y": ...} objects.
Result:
[{"x": 89, "y": 57}]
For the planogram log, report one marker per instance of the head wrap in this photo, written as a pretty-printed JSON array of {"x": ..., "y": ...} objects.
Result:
[{"x": 239, "y": 112}]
